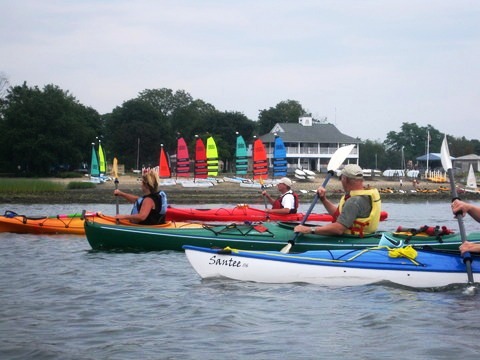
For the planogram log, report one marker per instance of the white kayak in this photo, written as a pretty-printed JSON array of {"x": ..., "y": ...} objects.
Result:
[
  {"x": 309, "y": 172},
  {"x": 331, "y": 267}
]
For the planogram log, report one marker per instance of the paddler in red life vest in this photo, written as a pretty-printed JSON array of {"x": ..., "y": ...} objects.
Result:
[
  {"x": 358, "y": 212},
  {"x": 287, "y": 203}
]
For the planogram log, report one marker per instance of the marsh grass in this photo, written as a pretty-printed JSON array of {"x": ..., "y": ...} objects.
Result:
[
  {"x": 29, "y": 186},
  {"x": 80, "y": 185}
]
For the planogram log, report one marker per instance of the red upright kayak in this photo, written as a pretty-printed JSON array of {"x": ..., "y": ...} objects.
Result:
[{"x": 242, "y": 213}]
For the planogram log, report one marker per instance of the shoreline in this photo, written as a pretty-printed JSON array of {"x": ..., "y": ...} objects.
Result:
[{"x": 229, "y": 193}]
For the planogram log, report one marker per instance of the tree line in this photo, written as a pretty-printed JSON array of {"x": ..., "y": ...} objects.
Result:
[{"x": 47, "y": 130}]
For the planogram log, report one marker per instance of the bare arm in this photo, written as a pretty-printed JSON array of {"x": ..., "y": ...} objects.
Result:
[
  {"x": 268, "y": 197},
  {"x": 278, "y": 211},
  {"x": 147, "y": 205},
  {"x": 469, "y": 247},
  {"x": 330, "y": 229},
  {"x": 463, "y": 207},
  {"x": 129, "y": 197},
  {"x": 329, "y": 206}
]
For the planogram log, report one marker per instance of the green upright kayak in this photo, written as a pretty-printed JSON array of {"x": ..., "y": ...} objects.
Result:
[{"x": 262, "y": 236}]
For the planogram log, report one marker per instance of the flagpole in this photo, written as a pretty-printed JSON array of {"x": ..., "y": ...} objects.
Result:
[{"x": 428, "y": 148}]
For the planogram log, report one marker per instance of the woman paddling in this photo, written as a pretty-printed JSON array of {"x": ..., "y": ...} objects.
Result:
[{"x": 149, "y": 209}]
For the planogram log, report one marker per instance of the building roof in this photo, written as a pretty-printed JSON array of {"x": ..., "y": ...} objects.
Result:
[
  {"x": 432, "y": 157},
  {"x": 317, "y": 133},
  {"x": 468, "y": 157}
]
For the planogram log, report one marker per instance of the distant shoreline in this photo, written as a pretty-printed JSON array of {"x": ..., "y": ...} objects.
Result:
[{"x": 224, "y": 193}]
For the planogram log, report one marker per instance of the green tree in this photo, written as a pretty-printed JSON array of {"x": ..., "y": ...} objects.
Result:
[
  {"x": 192, "y": 119},
  {"x": 137, "y": 119},
  {"x": 413, "y": 140},
  {"x": 283, "y": 112},
  {"x": 43, "y": 129},
  {"x": 372, "y": 155},
  {"x": 223, "y": 127},
  {"x": 165, "y": 100},
  {"x": 462, "y": 146}
]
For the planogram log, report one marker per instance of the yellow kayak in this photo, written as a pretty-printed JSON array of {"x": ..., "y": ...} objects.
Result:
[{"x": 68, "y": 223}]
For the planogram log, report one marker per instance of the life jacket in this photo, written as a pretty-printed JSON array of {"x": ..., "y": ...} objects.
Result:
[
  {"x": 368, "y": 225},
  {"x": 278, "y": 203},
  {"x": 157, "y": 215}
]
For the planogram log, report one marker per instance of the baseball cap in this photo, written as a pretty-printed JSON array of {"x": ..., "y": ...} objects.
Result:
[
  {"x": 285, "y": 181},
  {"x": 352, "y": 171}
]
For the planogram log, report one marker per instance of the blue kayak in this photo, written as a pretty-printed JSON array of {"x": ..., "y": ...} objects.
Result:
[{"x": 404, "y": 266}]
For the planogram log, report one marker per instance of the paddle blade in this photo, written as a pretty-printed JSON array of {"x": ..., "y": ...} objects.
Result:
[
  {"x": 445, "y": 155},
  {"x": 339, "y": 157},
  {"x": 115, "y": 168},
  {"x": 286, "y": 248}
]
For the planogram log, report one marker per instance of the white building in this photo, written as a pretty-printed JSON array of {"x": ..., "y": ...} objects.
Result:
[{"x": 310, "y": 144}]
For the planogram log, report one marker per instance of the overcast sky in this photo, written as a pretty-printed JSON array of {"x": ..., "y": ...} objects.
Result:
[{"x": 368, "y": 66}]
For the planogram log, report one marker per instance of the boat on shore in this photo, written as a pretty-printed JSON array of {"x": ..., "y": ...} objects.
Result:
[
  {"x": 254, "y": 236},
  {"x": 280, "y": 163},
  {"x": 471, "y": 185},
  {"x": 260, "y": 162},
  {"x": 67, "y": 223},
  {"x": 241, "y": 213},
  {"x": 422, "y": 269}
]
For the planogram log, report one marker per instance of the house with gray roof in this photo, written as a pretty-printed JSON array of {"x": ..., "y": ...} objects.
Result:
[
  {"x": 465, "y": 161},
  {"x": 309, "y": 144}
]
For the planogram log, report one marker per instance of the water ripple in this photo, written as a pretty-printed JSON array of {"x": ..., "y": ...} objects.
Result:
[{"x": 61, "y": 300}]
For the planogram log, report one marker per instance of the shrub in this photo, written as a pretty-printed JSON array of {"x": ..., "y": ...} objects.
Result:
[{"x": 80, "y": 185}]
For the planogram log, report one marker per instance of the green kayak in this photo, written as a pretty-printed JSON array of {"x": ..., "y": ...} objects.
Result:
[{"x": 262, "y": 236}]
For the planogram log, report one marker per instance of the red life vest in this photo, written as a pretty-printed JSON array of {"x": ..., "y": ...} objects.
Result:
[{"x": 278, "y": 203}]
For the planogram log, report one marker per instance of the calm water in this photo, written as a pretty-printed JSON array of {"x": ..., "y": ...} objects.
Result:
[{"x": 60, "y": 300}]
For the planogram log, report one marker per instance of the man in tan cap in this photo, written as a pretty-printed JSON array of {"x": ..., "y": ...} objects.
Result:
[
  {"x": 358, "y": 212},
  {"x": 287, "y": 203}
]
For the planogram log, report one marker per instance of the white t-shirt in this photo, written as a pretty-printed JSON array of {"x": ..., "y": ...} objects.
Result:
[{"x": 288, "y": 200}]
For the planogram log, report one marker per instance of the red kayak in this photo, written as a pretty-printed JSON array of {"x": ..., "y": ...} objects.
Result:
[{"x": 242, "y": 213}]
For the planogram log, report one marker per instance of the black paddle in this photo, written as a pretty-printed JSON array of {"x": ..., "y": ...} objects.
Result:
[
  {"x": 447, "y": 166},
  {"x": 115, "y": 174},
  {"x": 336, "y": 160},
  {"x": 262, "y": 185}
]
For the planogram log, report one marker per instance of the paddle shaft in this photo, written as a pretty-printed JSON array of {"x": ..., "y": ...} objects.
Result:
[
  {"x": 336, "y": 160},
  {"x": 467, "y": 258},
  {"x": 116, "y": 198},
  {"x": 264, "y": 198},
  {"x": 115, "y": 173},
  {"x": 310, "y": 209}
]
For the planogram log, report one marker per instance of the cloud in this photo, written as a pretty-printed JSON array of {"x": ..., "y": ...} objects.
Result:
[{"x": 368, "y": 66}]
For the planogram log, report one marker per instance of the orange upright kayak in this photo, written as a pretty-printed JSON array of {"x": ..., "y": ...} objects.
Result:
[
  {"x": 242, "y": 212},
  {"x": 67, "y": 224}
]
